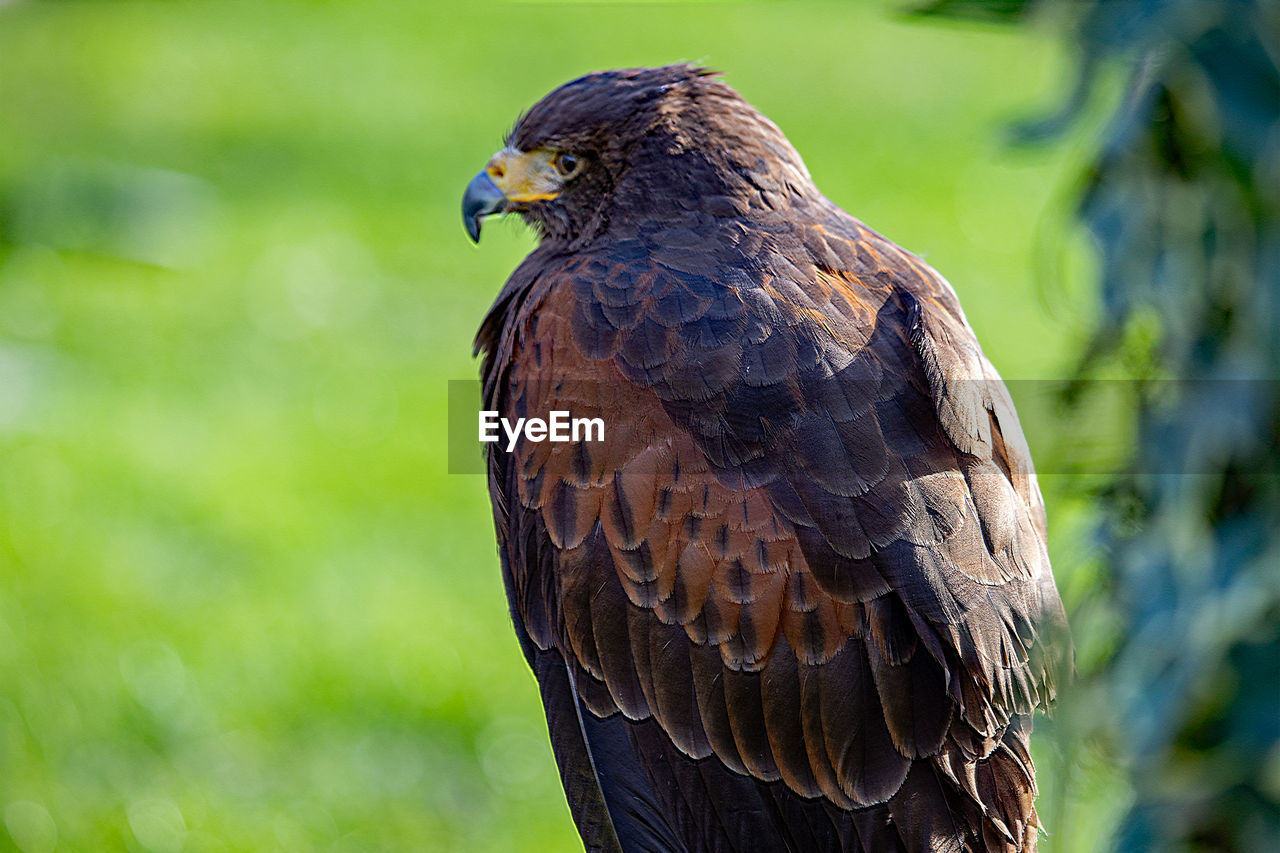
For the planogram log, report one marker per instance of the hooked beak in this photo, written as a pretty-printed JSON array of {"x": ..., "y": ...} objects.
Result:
[
  {"x": 512, "y": 180},
  {"x": 482, "y": 198}
]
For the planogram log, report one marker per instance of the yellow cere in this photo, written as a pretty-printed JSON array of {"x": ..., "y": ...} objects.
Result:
[{"x": 525, "y": 176}]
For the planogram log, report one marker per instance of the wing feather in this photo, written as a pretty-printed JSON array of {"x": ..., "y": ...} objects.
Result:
[{"x": 810, "y": 548}]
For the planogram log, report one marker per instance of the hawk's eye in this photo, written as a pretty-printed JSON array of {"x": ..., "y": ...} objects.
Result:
[{"x": 567, "y": 165}]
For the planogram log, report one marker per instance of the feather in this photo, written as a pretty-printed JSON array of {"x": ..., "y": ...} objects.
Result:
[{"x": 569, "y": 741}]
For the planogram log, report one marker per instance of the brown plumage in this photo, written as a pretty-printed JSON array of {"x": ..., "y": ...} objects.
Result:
[{"x": 798, "y": 597}]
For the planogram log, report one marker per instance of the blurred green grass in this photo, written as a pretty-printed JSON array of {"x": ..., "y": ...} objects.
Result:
[{"x": 242, "y": 605}]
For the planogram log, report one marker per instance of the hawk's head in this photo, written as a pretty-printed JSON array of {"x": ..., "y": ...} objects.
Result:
[{"x": 619, "y": 147}]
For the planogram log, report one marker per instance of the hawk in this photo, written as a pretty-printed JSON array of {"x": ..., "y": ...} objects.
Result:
[{"x": 798, "y": 596}]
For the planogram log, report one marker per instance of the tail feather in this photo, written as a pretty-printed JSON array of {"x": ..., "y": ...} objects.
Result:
[
  {"x": 632, "y": 790},
  {"x": 956, "y": 801},
  {"x": 610, "y": 795}
]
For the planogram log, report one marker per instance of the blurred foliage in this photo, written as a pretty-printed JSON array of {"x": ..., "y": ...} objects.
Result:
[
  {"x": 1184, "y": 201},
  {"x": 242, "y": 605}
]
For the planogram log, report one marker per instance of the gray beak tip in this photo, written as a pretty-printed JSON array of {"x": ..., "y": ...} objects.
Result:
[{"x": 481, "y": 199}]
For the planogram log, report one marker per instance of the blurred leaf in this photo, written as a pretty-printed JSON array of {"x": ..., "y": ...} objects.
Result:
[
  {"x": 1000, "y": 11},
  {"x": 1187, "y": 218}
]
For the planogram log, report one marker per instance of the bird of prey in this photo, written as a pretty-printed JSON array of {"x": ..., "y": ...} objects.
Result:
[{"x": 797, "y": 597}]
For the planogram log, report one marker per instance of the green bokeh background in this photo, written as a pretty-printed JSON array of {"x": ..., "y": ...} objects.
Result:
[{"x": 242, "y": 604}]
